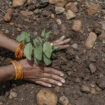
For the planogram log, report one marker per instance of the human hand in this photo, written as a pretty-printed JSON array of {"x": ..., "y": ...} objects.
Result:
[
  {"x": 46, "y": 76},
  {"x": 62, "y": 43}
]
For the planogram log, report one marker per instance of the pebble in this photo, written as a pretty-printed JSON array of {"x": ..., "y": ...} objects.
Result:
[
  {"x": 46, "y": 97},
  {"x": 59, "y": 21},
  {"x": 77, "y": 25},
  {"x": 6, "y": 31},
  {"x": 90, "y": 40},
  {"x": 26, "y": 13},
  {"x": 8, "y": 15},
  {"x": 85, "y": 89},
  {"x": 71, "y": 6},
  {"x": 18, "y": 3},
  {"x": 93, "y": 91},
  {"x": 101, "y": 83},
  {"x": 74, "y": 46},
  {"x": 57, "y": 89},
  {"x": 70, "y": 14},
  {"x": 52, "y": 16},
  {"x": 59, "y": 10},
  {"x": 92, "y": 9},
  {"x": 63, "y": 100},
  {"x": 92, "y": 68},
  {"x": 12, "y": 95}
]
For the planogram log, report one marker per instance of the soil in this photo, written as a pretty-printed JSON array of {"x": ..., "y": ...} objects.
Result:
[{"x": 73, "y": 62}]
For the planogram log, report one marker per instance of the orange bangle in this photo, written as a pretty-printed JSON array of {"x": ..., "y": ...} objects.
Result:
[
  {"x": 19, "y": 51},
  {"x": 18, "y": 70}
]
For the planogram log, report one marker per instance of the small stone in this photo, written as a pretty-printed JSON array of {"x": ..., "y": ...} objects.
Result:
[
  {"x": 77, "y": 25},
  {"x": 59, "y": 10},
  {"x": 101, "y": 82},
  {"x": 59, "y": 21},
  {"x": 52, "y": 16},
  {"x": 1, "y": 103},
  {"x": 12, "y": 95},
  {"x": 30, "y": 1},
  {"x": 18, "y": 3},
  {"x": 8, "y": 15},
  {"x": 74, "y": 46},
  {"x": 6, "y": 31},
  {"x": 92, "y": 9},
  {"x": 92, "y": 68},
  {"x": 11, "y": 23},
  {"x": 63, "y": 100},
  {"x": 18, "y": 29},
  {"x": 46, "y": 97},
  {"x": 1, "y": 19},
  {"x": 90, "y": 40},
  {"x": 70, "y": 15},
  {"x": 61, "y": 3},
  {"x": 26, "y": 13},
  {"x": 71, "y": 6},
  {"x": 93, "y": 91},
  {"x": 85, "y": 89}
]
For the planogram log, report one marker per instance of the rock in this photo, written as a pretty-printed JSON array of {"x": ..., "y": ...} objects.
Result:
[
  {"x": 6, "y": 31},
  {"x": 18, "y": 3},
  {"x": 71, "y": 6},
  {"x": 63, "y": 100},
  {"x": 101, "y": 83},
  {"x": 90, "y": 40},
  {"x": 8, "y": 15},
  {"x": 92, "y": 9},
  {"x": 61, "y": 3},
  {"x": 70, "y": 14},
  {"x": 102, "y": 36},
  {"x": 46, "y": 97},
  {"x": 74, "y": 46},
  {"x": 26, "y": 13},
  {"x": 85, "y": 89},
  {"x": 18, "y": 29},
  {"x": 12, "y": 95},
  {"x": 59, "y": 21},
  {"x": 59, "y": 10},
  {"x": 92, "y": 68},
  {"x": 77, "y": 25},
  {"x": 52, "y": 16},
  {"x": 1, "y": 103},
  {"x": 93, "y": 91},
  {"x": 30, "y": 1}
]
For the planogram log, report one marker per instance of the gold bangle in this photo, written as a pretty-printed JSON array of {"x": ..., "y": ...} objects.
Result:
[
  {"x": 19, "y": 51},
  {"x": 18, "y": 70}
]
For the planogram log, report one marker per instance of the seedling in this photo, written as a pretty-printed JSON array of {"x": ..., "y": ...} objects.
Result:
[{"x": 39, "y": 47}]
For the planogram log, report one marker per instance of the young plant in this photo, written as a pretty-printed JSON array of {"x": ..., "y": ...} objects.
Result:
[{"x": 39, "y": 47}]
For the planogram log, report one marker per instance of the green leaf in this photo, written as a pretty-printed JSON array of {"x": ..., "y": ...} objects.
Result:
[
  {"x": 47, "y": 35},
  {"x": 24, "y": 36},
  {"x": 38, "y": 52},
  {"x": 55, "y": 48},
  {"x": 37, "y": 41},
  {"x": 43, "y": 33},
  {"x": 28, "y": 51},
  {"x": 47, "y": 61},
  {"x": 36, "y": 60},
  {"x": 47, "y": 49}
]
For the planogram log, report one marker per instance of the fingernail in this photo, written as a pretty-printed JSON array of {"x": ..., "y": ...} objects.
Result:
[
  {"x": 63, "y": 81},
  {"x": 49, "y": 86},
  {"x": 59, "y": 84},
  {"x": 62, "y": 75}
]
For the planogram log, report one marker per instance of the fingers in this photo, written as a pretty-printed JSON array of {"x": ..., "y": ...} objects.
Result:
[
  {"x": 53, "y": 71},
  {"x": 63, "y": 46},
  {"x": 51, "y": 81},
  {"x": 61, "y": 38},
  {"x": 55, "y": 77},
  {"x": 43, "y": 83},
  {"x": 64, "y": 42}
]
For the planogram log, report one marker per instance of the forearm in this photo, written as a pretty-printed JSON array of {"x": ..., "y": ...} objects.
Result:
[
  {"x": 8, "y": 43},
  {"x": 7, "y": 73}
]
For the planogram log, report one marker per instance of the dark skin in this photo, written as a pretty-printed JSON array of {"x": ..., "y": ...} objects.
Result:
[{"x": 32, "y": 72}]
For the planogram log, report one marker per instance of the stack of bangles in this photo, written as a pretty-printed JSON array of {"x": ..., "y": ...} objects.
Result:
[
  {"x": 18, "y": 70},
  {"x": 19, "y": 51}
]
